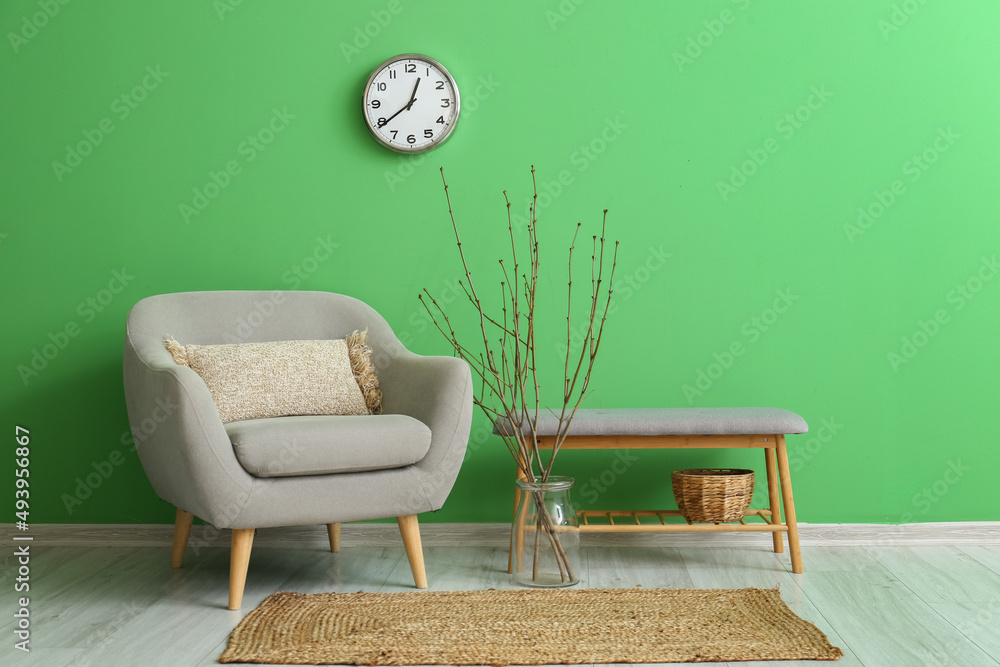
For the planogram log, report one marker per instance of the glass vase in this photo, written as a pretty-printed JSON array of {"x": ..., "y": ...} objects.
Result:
[{"x": 545, "y": 536}]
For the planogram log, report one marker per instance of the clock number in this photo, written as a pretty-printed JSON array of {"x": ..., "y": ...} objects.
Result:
[
  {"x": 382, "y": 122},
  {"x": 381, "y": 86},
  {"x": 394, "y": 133},
  {"x": 409, "y": 68},
  {"x": 428, "y": 134},
  {"x": 376, "y": 104},
  {"x": 440, "y": 85},
  {"x": 392, "y": 74},
  {"x": 440, "y": 120},
  {"x": 411, "y": 139},
  {"x": 445, "y": 103}
]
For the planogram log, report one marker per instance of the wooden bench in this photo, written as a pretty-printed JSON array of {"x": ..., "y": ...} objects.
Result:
[{"x": 688, "y": 428}]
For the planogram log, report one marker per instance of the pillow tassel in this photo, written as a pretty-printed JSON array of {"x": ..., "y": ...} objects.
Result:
[
  {"x": 177, "y": 351},
  {"x": 364, "y": 370}
]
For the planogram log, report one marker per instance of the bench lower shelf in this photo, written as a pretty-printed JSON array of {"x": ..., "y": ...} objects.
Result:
[
  {"x": 778, "y": 480},
  {"x": 635, "y": 526}
]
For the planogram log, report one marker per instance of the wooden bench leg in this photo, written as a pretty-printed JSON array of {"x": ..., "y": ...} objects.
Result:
[
  {"x": 773, "y": 499},
  {"x": 513, "y": 546},
  {"x": 517, "y": 531},
  {"x": 786, "y": 496}
]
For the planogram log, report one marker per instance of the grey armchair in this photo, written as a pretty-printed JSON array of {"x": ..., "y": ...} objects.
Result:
[{"x": 344, "y": 468}]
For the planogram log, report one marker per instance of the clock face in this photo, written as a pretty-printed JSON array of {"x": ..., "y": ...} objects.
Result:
[{"x": 411, "y": 103}]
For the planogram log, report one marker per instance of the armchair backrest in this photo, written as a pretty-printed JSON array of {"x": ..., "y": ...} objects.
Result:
[{"x": 211, "y": 318}]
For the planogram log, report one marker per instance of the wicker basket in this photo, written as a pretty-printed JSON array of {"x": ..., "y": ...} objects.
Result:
[{"x": 713, "y": 494}]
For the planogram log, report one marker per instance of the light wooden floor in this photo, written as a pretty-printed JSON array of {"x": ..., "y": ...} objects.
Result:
[{"x": 886, "y": 606}]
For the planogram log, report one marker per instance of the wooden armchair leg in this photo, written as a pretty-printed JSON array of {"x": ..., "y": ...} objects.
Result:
[
  {"x": 410, "y": 530},
  {"x": 239, "y": 562},
  {"x": 182, "y": 528},
  {"x": 333, "y": 530}
]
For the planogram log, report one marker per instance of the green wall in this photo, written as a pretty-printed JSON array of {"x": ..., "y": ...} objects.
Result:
[{"x": 810, "y": 184}]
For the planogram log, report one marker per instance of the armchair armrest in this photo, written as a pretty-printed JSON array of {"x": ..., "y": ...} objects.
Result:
[
  {"x": 179, "y": 437},
  {"x": 438, "y": 391}
]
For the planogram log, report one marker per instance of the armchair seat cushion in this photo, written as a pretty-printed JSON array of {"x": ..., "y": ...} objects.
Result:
[{"x": 324, "y": 444}]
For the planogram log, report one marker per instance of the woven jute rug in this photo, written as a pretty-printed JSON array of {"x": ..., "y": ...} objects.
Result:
[{"x": 526, "y": 627}]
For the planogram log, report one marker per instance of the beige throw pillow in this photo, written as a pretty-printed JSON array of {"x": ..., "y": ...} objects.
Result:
[{"x": 282, "y": 378}]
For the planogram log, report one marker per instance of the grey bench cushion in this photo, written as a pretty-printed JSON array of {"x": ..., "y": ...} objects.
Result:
[
  {"x": 672, "y": 421},
  {"x": 319, "y": 444}
]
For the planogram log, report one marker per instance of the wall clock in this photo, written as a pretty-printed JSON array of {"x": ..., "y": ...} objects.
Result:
[{"x": 411, "y": 103}]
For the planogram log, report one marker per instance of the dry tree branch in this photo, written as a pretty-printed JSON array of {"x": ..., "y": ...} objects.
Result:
[
  {"x": 588, "y": 343},
  {"x": 508, "y": 368},
  {"x": 569, "y": 312},
  {"x": 468, "y": 273}
]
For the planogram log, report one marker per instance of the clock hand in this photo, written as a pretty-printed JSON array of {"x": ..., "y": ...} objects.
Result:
[
  {"x": 413, "y": 98},
  {"x": 386, "y": 122}
]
